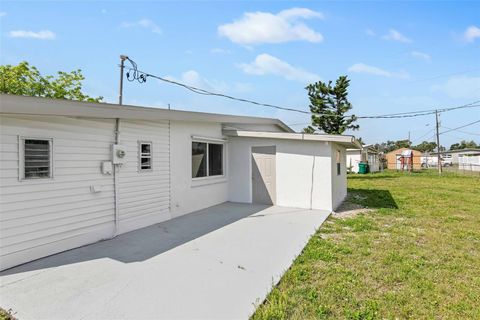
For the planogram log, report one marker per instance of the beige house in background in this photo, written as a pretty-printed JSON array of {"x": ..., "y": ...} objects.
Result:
[{"x": 393, "y": 159}]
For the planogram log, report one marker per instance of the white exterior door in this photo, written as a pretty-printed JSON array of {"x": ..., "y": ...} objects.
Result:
[{"x": 263, "y": 175}]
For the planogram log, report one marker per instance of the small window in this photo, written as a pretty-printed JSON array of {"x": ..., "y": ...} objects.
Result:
[
  {"x": 145, "y": 156},
  {"x": 207, "y": 159},
  {"x": 36, "y": 158},
  {"x": 338, "y": 163}
]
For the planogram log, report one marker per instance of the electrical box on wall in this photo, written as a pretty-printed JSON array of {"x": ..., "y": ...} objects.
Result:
[
  {"x": 107, "y": 167},
  {"x": 119, "y": 154}
]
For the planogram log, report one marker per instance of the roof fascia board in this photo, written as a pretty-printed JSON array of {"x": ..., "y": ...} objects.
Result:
[
  {"x": 11, "y": 104},
  {"x": 344, "y": 140}
]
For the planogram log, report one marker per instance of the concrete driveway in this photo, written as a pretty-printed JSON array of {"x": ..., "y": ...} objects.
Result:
[{"x": 216, "y": 263}]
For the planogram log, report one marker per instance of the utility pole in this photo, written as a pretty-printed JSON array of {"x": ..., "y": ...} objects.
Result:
[
  {"x": 438, "y": 144},
  {"x": 409, "y": 143},
  {"x": 122, "y": 67}
]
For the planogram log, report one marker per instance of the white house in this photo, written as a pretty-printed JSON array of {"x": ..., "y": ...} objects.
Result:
[
  {"x": 364, "y": 154},
  {"x": 73, "y": 173},
  {"x": 455, "y": 155}
]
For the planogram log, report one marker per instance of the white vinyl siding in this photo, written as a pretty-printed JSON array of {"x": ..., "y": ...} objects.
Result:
[
  {"x": 144, "y": 195},
  {"x": 39, "y": 217}
]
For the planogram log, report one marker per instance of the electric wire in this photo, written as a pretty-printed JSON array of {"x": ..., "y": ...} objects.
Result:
[
  {"x": 465, "y": 125},
  {"x": 134, "y": 74},
  {"x": 464, "y": 132}
]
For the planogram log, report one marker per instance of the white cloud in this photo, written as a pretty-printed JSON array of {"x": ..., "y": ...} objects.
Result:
[
  {"x": 264, "y": 27},
  {"x": 367, "y": 69},
  {"x": 471, "y": 33},
  {"x": 459, "y": 87},
  {"x": 194, "y": 79},
  {"x": 40, "y": 35},
  {"x": 394, "y": 35},
  {"x": 143, "y": 23},
  {"x": 266, "y": 64},
  {"x": 421, "y": 55}
]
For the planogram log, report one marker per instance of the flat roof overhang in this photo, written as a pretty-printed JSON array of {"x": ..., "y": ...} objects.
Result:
[
  {"x": 344, "y": 140},
  {"x": 13, "y": 104}
]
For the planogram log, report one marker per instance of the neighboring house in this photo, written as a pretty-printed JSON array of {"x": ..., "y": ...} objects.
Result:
[
  {"x": 365, "y": 154},
  {"x": 469, "y": 162},
  {"x": 67, "y": 179},
  {"x": 394, "y": 159},
  {"x": 456, "y": 154}
]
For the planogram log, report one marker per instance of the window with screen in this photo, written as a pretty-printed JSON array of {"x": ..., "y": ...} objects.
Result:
[
  {"x": 145, "y": 156},
  {"x": 36, "y": 158},
  {"x": 207, "y": 159}
]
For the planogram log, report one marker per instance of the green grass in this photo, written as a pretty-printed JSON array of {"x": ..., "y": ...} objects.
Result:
[{"x": 416, "y": 255}]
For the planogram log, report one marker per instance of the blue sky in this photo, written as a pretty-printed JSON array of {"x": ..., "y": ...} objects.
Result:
[{"x": 400, "y": 56}]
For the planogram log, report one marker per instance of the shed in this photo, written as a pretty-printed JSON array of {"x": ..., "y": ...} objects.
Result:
[
  {"x": 394, "y": 159},
  {"x": 365, "y": 154},
  {"x": 73, "y": 173}
]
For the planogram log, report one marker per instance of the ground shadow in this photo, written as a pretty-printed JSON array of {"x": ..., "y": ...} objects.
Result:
[
  {"x": 372, "y": 198},
  {"x": 145, "y": 243}
]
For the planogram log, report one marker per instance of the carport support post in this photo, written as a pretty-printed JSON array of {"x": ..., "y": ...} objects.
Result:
[{"x": 439, "y": 161}]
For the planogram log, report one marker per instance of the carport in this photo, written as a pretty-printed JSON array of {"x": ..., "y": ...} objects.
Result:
[{"x": 215, "y": 263}]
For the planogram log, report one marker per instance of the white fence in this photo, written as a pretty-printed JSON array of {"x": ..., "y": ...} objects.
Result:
[{"x": 471, "y": 163}]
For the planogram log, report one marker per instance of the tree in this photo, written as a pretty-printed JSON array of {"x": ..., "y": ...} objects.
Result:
[
  {"x": 26, "y": 80},
  {"x": 390, "y": 145},
  {"x": 425, "y": 146},
  {"x": 464, "y": 145},
  {"x": 328, "y": 105}
]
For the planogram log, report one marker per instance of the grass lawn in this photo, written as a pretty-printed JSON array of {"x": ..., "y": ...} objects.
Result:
[{"x": 416, "y": 255}]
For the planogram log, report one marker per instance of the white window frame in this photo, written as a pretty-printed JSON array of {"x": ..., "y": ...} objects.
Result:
[
  {"x": 224, "y": 152},
  {"x": 21, "y": 158},
  {"x": 140, "y": 156}
]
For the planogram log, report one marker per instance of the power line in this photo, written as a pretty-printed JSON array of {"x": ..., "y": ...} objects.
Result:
[
  {"x": 134, "y": 74},
  {"x": 465, "y": 125},
  {"x": 141, "y": 77},
  {"x": 465, "y": 132},
  {"x": 419, "y": 138}
]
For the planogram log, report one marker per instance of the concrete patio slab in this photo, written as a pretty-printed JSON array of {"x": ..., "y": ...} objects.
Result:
[{"x": 216, "y": 263}]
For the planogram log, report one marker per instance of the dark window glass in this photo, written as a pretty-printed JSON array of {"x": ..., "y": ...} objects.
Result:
[
  {"x": 37, "y": 159},
  {"x": 215, "y": 159},
  {"x": 146, "y": 148},
  {"x": 199, "y": 161},
  {"x": 146, "y": 164}
]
